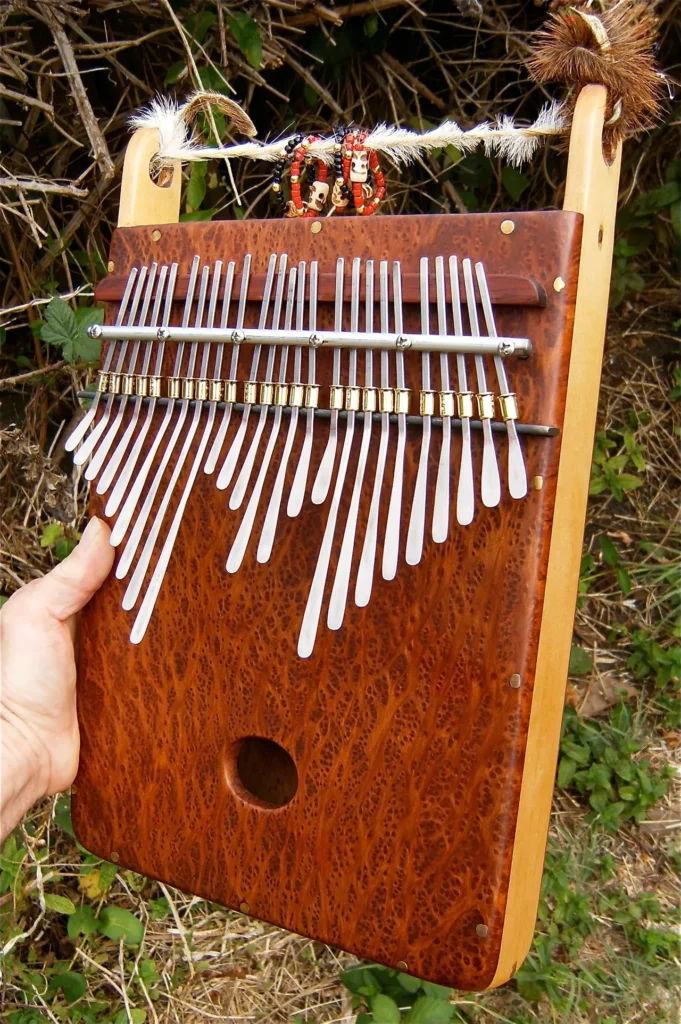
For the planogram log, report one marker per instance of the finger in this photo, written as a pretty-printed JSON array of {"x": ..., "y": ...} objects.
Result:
[{"x": 71, "y": 584}]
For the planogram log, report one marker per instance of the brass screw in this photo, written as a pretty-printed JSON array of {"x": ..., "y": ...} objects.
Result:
[
  {"x": 155, "y": 235},
  {"x": 515, "y": 682},
  {"x": 482, "y": 930},
  {"x": 558, "y": 284},
  {"x": 244, "y": 908},
  {"x": 507, "y": 227},
  {"x": 537, "y": 483},
  {"x": 316, "y": 227},
  {"x": 401, "y": 966},
  {"x": 110, "y": 266},
  {"x": 114, "y": 857}
]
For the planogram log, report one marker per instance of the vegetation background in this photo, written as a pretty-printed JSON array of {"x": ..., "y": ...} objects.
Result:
[{"x": 83, "y": 941}]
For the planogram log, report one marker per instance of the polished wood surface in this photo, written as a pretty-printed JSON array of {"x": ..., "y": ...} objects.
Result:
[{"x": 407, "y": 735}]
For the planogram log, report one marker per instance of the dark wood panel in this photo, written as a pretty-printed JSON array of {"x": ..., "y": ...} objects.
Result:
[{"x": 407, "y": 738}]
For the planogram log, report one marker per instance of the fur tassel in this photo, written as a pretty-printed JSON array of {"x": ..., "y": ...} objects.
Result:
[{"x": 613, "y": 48}]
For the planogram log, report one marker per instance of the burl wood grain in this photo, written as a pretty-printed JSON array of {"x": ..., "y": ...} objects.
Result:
[{"x": 407, "y": 737}]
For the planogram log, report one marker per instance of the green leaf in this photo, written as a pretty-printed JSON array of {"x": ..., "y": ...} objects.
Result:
[
  {"x": 385, "y": 1010},
  {"x": 371, "y": 25},
  {"x": 136, "y": 1016},
  {"x": 427, "y": 1010},
  {"x": 629, "y": 482},
  {"x": 117, "y": 923},
  {"x": 83, "y": 922},
  {"x": 60, "y": 327},
  {"x": 436, "y": 991},
  {"x": 581, "y": 662},
  {"x": 196, "y": 186},
  {"x": 566, "y": 771},
  {"x": 409, "y": 983},
  {"x": 514, "y": 181},
  {"x": 88, "y": 348},
  {"x": 72, "y": 984},
  {"x": 107, "y": 875},
  {"x": 197, "y": 215},
  {"x": 51, "y": 534},
  {"x": 62, "y": 904},
  {"x": 624, "y": 581},
  {"x": 610, "y": 555},
  {"x": 245, "y": 31},
  {"x": 599, "y": 799}
]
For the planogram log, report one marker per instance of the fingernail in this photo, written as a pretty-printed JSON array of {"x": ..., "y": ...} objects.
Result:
[{"x": 90, "y": 533}]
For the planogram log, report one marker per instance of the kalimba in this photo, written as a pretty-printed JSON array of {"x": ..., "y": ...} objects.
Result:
[{"x": 345, "y": 462}]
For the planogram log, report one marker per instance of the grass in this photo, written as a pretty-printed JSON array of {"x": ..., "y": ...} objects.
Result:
[{"x": 85, "y": 941}]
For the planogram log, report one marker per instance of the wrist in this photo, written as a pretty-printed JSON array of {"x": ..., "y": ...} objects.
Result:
[{"x": 24, "y": 770}]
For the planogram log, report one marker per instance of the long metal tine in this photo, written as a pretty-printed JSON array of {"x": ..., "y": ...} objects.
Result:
[
  {"x": 517, "y": 475},
  {"x": 320, "y": 488},
  {"x": 308, "y": 629},
  {"x": 121, "y": 525},
  {"x": 441, "y": 504},
  {"x": 297, "y": 493},
  {"x": 229, "y": 465},
  {"x": 365, "y": 573},
  {"x": 272, "y": 515},
  {"x": 491, "y": 485},
  {"x": 391, "y": 544},
  {"x": 216, "y": 447},
  {"x": 242, "y": 481},
  {"x": 93, "y": 437},
  {"x": 243, "y": 535},
  {"x": 339, "y": 593},
  {"x": 465, "y": 494},
  {"x": 417, "y": 519},
  {"x": 81, "y": 428},
  {"x": 99, "y": 457},
  {"x": 149, "y": 601}
]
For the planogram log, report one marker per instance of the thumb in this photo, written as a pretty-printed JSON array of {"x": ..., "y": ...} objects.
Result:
[{"x": 71, "y": 584}]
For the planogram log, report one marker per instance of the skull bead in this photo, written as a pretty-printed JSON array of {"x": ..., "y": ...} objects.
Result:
[
  {"x": 319, "y": 193},
  {"x": 359, "y": 167},
  {"x": 337, "y": 197}
]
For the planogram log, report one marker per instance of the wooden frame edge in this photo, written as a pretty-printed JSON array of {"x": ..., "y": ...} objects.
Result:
[
  {"x": 591, "y": 189},
  {"x": 142, "y": 200}
]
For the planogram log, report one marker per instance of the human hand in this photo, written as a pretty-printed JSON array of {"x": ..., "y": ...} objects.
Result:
[{"x": 40, "y": 742}]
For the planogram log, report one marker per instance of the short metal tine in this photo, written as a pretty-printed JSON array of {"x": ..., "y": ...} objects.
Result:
[
  {"x": 242, "y": 481},
  {"x": 391, "y": 544},
  {"x": 124, "y": 477},
  {"x": 339, "y": 593},
  {"x": 517, "y": 474},
  {"x": 243, "y": 535},
  {"x": 216, "y": 447},
  {"x": 93, "y": 437},
  {"x": 98, "y": 459},
  {"x": 135, "y": 585},
  {"x": 308, "y": 629},
  {"x": 131, "y": 501},
  {"x": 299, "y": 485},
  {"x": 417, "y": 520},
  {"x": 465, "y": 494},
  {"x": 491, "y": 485},
  {"x": 272, "y": 515},
  {"x": 81, "y": 428},
  {"x": 322, "y": 482},
  {"x": 441, "y": 503},
  {"x": 229, "y": 465},
  {"x": 365, "y": 572}
]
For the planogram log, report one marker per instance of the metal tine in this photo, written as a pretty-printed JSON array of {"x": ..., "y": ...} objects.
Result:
[
  {"x": 491, "y": 485},
  {"x": 297, "y": 492},
  {"x": 149, "y": 600},
  {"x": 216, "y": 447},
  {"x": 81, "y": 428},
  {"x": 517, "y": 475},
  {"x": 308, "y": 629},
  {"x": 339, "y": 593},
  {"x": 229, "y": 465},
  {"x": 98, "y": 459},
  {"x": 441, "y": 504},
  {"x": 391, "y": 544},
  {"x": 112, "y": 466},
  {"x": 243, "y": 535},
  {"x": 365, "y": 573},
  {"x": 465, "y": 494},
  {"x": 239, "y": 492},
  {"x": 132, "y": 544},
  {"x": 417, "y": 519},
  {"x": 135, "y": 585},
  {"x": 320, "y": 488},
  {"x": 93, "y": 437},
  {"x": 125, "y": 516},
  {"x": 272, "y": 515}
]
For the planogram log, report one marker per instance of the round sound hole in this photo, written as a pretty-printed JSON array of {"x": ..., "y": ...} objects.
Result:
[{"x": 262, "y": 772}]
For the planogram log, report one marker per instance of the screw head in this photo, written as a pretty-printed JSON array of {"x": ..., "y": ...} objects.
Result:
[
  {"x": 163, "y": 334},
  {"x": 156, "y": 235},
  {"x": 114, "y": 857},
  {"x": 94, "y": 331},
  {"x": 316, "y": 227},
  {"x": 558, "y": 284},
  {"x": 237, "y": 337},
  {"x": 515, "y": 681},
  {"x": 506, "y": 348},
  {"x": 537, "y": 483},
  {"x": 482, "y": 930},
  {"x": 244, "y": 908},
  {"x": 403, "y": 341},
  {"x": 315, "y": 341},
  {"x": 402, "y": 966},
  {"x": 507, "y": 227},
  {"x": 110, "y": 267}
]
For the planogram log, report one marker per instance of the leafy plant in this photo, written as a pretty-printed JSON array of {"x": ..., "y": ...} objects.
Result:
[
  {"x": 59, "y": 540},
  {"x": 66, "y": 329},
  {"x": 385, "y": 996},
  {"x": 607, "y": 470}
]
